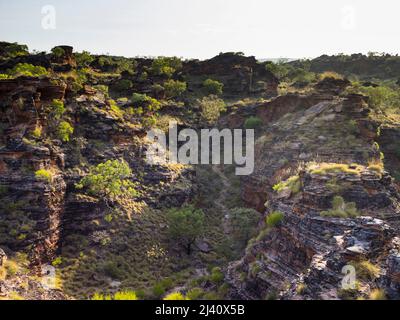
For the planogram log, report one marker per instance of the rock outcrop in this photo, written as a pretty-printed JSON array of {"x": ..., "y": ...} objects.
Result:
[
  {"x": 314, "y": 150},
  {"x": 240, "y": 75},
  {"x": 303, "y": 256}
]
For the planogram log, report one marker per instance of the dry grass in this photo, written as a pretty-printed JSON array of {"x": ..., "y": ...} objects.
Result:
[{"x": 327, "y": 168}]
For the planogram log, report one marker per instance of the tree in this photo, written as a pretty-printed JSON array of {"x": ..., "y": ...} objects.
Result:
[
  {"x": 211, "y": 108},
  {"x": 26, "y": 69},
  {"x": 213, "y": 86},
  {"x": 84, "y": 58},
  {"x": 64, "y": 131},
  {"x": 185, "y": 225},
  {"x": 166, "y": 66},
  {"x": 109, "y": 180},
  {"x": 144, "y": 104},
  {"x": 174, "y": 88},
  {"x": 58, "y": 52},
  {"x": 57, "y": 108}
]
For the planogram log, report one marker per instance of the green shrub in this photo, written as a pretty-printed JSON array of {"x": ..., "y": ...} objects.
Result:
[
  {"x": 195, "y": 294},
  {"x": 274, "y": 218},
  {"x": 166, "y": 66},
  {"x": 26, "y": 69},
  {"x": 211, "y": 108},
  {"x": 253, "y": 123},
  {"x": 58, "y": 52},
  {"x": 213, "y": 86},
  {"x": 382, "y": 97},
  {"x": 83, "y": 58},
  {"x": 123, "y": 85},
  {"x": 174, "y": 88},
  {"x": 44, "y": 175},
  {"x": 57, "y": 108},
  {"x": 64, "y": 131},
  {"x": 144, "y": 104},
  {"x": 158, "y": 290},
  {"x": 13, "y": 50},
  {"x": 341, "y": 209},
  {"x": 216, "y": 275},
  {"x": 111, "y": 269},
  {"x": 56, "y": 262},
  {"x": 185, "y": 225},
  {"x": 109, "y": 180},
  {"x": 37, "y": 132}
]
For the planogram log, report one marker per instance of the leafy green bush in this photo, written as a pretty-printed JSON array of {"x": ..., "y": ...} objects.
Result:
[
  {"x": 174, "y": 88},
  {"x": 57, "y": 108},
  {"x": 158, "y": 290},
  {"x": 216, "y": 275},
  {"x": 58, "y": 52},
  {"x": 253, "y": 123},
  {"x": 143, "y": 104},
  {"x": 64, "y": 131},
  {"x": 274, "y": 218},
  {"x": 213, "y": 86},
  {"x": 185, "y": 225},
  {"x": 195, "y": 293},
  {"x": 341, "y": 209},
  {"x": 13, "y": 50},
  {"x": 26, "y": 69},
  {"x": 44, "y": 175},
  {"x": 166, "y": 66},
  {"x": 83, "y": 58},
  {"x": 211, "y": 108},
  {"x": 382, "y": 97},
  {"x": 279, "y": 70},
  {"x": 110, "y": 180}
]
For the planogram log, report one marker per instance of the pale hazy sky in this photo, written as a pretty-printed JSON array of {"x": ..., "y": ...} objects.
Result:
[{"x": 203, "y": 28}]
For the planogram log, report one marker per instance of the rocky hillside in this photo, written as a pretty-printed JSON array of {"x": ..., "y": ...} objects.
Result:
[{"x": 77, "y": 194}]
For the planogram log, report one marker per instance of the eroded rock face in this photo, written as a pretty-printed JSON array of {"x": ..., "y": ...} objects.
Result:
[
  {"x": 309, "y": 250},
  {"x": 32, "y": 209},
  {"x": 300, "y": 128},
  {"x": 303, "y": 256}
]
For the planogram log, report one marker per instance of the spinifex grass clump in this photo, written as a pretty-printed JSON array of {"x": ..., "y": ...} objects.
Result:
[
  {"x": 293, "y": 183},
  {"x": 326, "y": 168},
  {"x": 341, "y": 209}
]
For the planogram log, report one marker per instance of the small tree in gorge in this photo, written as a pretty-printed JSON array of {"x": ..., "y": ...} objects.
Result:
[
  {"x": 109, "y": 180},
  {"x": 185, "y": 225}
]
